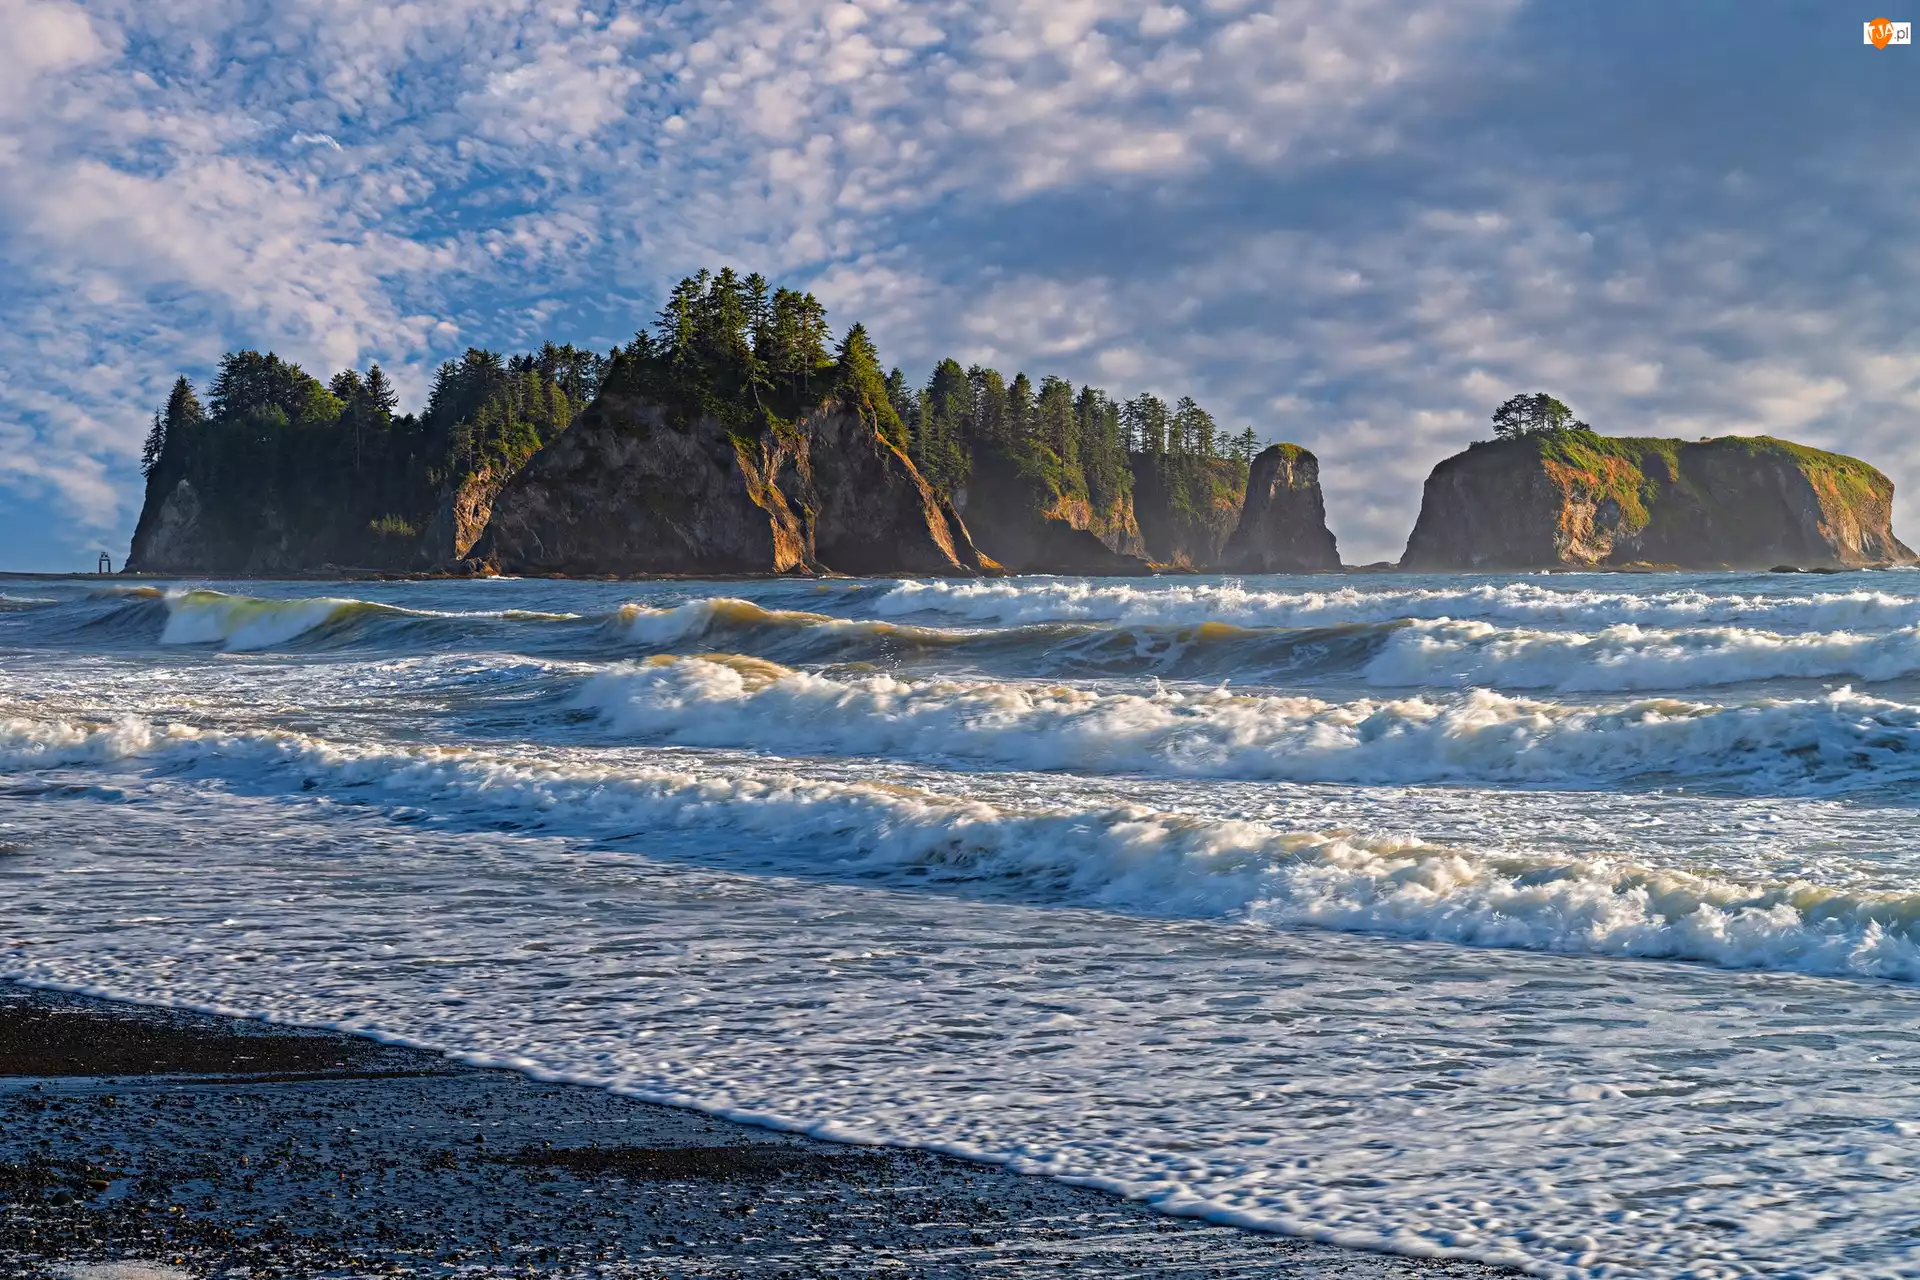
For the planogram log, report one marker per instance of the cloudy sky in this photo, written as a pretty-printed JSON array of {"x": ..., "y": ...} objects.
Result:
[{"x": 1357, "y": 226}]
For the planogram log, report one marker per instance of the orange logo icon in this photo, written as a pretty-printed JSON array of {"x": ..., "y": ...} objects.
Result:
[{"x": 1882, "y": 32}]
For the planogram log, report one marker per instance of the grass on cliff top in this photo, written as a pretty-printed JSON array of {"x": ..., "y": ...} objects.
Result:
[{"x": 1633, "y": 469}]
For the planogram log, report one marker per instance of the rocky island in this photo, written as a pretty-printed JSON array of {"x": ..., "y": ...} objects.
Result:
[
  {"x": 1571, "y": 498},
  {"x": 730, "y": 438}
]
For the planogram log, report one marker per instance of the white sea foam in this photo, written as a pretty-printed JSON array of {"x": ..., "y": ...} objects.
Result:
[
  {"x": 1026, "y": 601},
  {"x": 1128, "y": 858},
  {"x": 1837, "y": 742},
  {"x": 1630, "y": 657}
]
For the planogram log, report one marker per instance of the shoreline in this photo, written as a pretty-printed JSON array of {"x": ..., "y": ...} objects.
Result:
[{"x": 184, "y": 1145}]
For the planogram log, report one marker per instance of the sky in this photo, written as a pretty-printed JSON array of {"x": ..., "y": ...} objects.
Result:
[{"x": 1356, "y": 226}]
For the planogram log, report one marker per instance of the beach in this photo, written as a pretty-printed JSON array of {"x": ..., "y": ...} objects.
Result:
[{"x": 181, "y": 1144}]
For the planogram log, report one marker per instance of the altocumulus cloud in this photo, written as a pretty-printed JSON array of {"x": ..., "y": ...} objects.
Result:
[{"x": 1352, "y": 225}]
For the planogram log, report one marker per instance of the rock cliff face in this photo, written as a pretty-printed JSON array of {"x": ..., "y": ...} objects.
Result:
[
  {"x": 1582, "y": 500},
  {"x": 1187, "y": 507},
  {"x": 173, "y": 534},
  {"x": 1025, "y": 526},
  {"x": 1283, "y": 526},
  {"x": 461, "y": 518},
  {"x": 180, "y": 533},
  {"x": 632, "y": 488}
]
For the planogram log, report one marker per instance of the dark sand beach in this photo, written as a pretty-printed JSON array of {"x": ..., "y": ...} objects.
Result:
[{"x": 147, "y": 1144}]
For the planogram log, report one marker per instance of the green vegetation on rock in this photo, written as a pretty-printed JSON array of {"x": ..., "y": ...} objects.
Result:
[
  {"x": 1575, "y": 497},
  {"x": 282, "y": 471}
]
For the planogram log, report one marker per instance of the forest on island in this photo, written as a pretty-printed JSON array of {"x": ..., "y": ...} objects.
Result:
[{"x": 339, "y": 456}]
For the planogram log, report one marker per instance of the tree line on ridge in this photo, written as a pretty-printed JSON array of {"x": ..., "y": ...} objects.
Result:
[{"x": 724, "y": 345}]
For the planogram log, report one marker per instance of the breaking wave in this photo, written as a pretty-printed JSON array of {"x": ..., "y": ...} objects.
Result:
[
  {"x": 1131, "y": 858},
  {"x": 1628, "y": 657},
  {"x": 1014, "y": 602},
  {"x": 1843, "y": 741},
  {"x": 1197, "y": 651},
  {"x": 239, "y": 624}
]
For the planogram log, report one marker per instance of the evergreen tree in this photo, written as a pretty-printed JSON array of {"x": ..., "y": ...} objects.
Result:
[
  {"x": 990, "y": 400},
  {"x": 156, "y": 444},
  {"x": 1055, "y": 429},
  {"x": 1536, "y": 414},
  {"x": 942, "y": 434},
  {"x": 811, "y": 353},
  {"x": 381, "y": 397},
  {"x": 1147, "y": 421},
  {"x": 1018, "y": 422},
  {"x": 861, "y": 386},
  {"x": 906, "y": 405}
]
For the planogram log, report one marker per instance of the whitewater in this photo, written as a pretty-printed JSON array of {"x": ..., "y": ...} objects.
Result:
[{"x": 1567, "y": 921}]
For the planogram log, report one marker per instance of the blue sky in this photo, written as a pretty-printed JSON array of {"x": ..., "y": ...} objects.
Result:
[{"x": 1355, "y": 226}]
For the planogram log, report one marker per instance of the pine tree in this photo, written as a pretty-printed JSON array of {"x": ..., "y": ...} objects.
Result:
[
  {"x": 1146, "y": 419},
  {"x": 1019, "y": 414},
  {"x": 862, "y": 387},
  {"x": 1536, "y": 414},
  {"x": 156, "y": 444},
  {"x": 990, "y": 400},
  {"x": 381, "y": 397},
  {"x": 810, "y": 353}
]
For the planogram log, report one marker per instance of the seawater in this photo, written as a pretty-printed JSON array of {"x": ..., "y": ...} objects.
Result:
[{"x": 1565, "y": 921}]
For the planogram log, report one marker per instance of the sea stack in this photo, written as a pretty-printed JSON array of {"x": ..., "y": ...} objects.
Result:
[
  {"x": 1576, "y": 499},
  {"x": 1283, "y": 523}
]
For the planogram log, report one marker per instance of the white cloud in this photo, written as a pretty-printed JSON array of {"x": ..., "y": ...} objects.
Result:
[{"x": 1355, "y": 224}]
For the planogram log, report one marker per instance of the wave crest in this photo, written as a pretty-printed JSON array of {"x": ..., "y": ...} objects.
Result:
[
  {"x": 1131, "y": 859},
  {"x": 1843, "y": 741},
  {"x": 1010, "y": 602}
]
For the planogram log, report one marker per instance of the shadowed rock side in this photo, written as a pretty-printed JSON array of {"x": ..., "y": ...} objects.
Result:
[
  {"x": 173, "y": 534},
  {"x": 1583, "y": 500},
  {"x": 630, "y": 489},
  {"x": 1187, "y": 507},
  {"x": 1283, "y": 525},
  {"x": 1026, "y": 525}
]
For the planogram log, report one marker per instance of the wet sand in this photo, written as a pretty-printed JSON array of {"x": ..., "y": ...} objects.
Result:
[{"x": 143, "y": 1144}]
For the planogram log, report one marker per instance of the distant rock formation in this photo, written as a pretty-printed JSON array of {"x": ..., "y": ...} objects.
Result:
[
  {"x": 634, "y": 488},
  {"x": 1577, "y": 499},
  {"x": 1283, "y": 523}
]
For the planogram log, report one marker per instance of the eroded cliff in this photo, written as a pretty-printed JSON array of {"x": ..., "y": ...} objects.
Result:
[
  {"x": 1187, "y": 507},
  {"x": 1027, "y": 522},
  {"x": 1577, "y": 499},
  {"x": 635, "y": 487}
]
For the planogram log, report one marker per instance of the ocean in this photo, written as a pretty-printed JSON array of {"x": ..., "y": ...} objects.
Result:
[{"x": 1567, "y": 921}]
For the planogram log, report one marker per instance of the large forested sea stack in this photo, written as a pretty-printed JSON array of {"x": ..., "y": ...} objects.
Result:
[
  {"x": 732, "y": 437},
  {"x": 1573, "y": 498}
]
